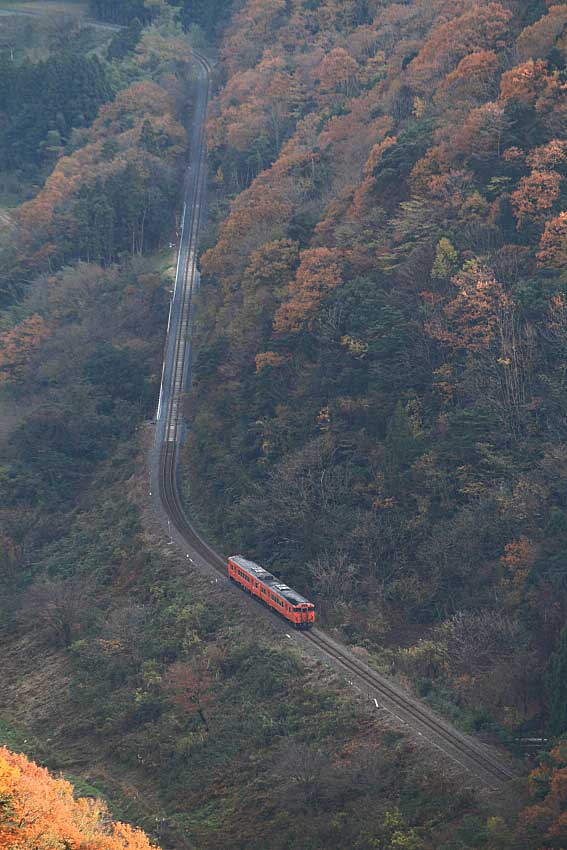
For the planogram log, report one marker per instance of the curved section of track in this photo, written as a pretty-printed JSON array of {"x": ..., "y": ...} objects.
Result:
[{"x": 470, "y": 755}]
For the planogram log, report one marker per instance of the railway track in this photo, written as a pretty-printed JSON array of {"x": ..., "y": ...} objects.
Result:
[
  {"x": 469, "y": 754},
  {"x": 177, "y": 357}
]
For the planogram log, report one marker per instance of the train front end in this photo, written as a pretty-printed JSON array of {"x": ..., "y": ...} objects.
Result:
[{"x": 303, "y": 615}]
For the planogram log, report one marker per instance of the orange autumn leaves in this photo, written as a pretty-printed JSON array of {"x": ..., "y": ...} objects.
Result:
[
  {"x": 471, "y": 319},
  {"x": 536, "y": 195},
  {"x": 38, "y": 812},
  {"x": 553, "y": 248},
  {"x": 18, "y": 345},
  {"x": 544, "y": 824},
  {"x": 479, "y": 27},
  {"x": 319, "y": 272},
  {"x": 114, "y": 142}
]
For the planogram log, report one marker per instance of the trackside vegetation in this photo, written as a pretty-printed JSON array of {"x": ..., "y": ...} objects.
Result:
[{"x": 377, "y": 416}]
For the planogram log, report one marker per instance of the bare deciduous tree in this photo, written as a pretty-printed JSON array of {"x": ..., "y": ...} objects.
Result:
[{"x": 61, "y": 608}]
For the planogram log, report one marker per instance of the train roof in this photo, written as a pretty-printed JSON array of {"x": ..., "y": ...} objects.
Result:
[{"x": 270, "y": 580}]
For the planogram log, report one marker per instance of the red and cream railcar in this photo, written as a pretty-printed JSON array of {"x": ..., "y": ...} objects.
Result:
[{"x": 271, "y": 591}]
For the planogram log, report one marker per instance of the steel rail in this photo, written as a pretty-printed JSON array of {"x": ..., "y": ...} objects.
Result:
[
  {"x": 463, "y": 750},
  {"x": 170, "y": 434},
  {"x": 436, "y": 730}
]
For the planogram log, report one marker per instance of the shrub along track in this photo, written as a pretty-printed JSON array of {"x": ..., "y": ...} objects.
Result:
[{"x": 487, "y": 768}]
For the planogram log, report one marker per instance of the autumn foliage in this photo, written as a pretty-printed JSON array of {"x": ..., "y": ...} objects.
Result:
[
  {"x": 133, "y": 146},
  {"x": 378, "y": 411},
  {"x": 319, "y": 272},
  {"x": 39, "y": 812},
  {"x": 396, "y": 378},
  {"x": 544, "y": 823},
  {"x": 18, "y": 345}
]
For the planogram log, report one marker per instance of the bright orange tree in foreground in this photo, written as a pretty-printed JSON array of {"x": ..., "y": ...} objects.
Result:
[{"x": 40, "y": 812}]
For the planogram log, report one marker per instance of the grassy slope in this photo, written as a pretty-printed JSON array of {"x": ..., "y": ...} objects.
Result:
[{"x": 268, "y": 712}]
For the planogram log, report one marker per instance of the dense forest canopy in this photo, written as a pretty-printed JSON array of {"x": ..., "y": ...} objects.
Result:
[
  {"x": 103, "y": 136},
  {"x": 379, "y": 411},
  {"x": 123, "y": 11},
  {"x": 45, "y": 102},
  {"x": 208, "y": 14}
]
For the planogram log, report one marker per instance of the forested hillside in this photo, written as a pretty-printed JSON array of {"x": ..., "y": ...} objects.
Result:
[
  {"x": 119, "y": 667},
  {"x": 380, "y": 409},
  {"x": 377, "y": 416}
]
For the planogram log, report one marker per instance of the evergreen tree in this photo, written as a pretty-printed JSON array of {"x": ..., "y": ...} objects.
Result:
[
  {"x": 125, "y": 41},
  {"x": 56, "y": 95},
  {"x": 121, "y": 11},
  {"x": 207, "y": 14}
]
